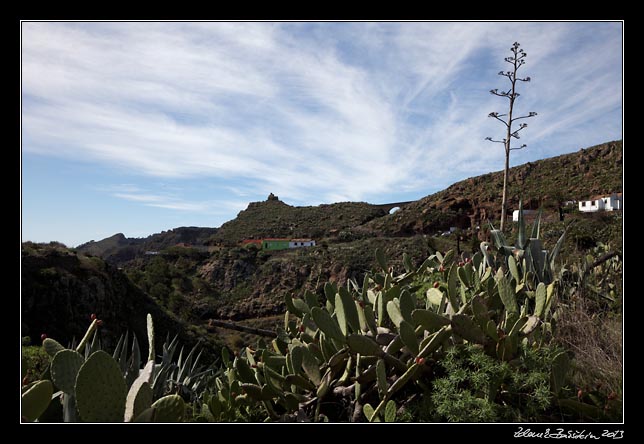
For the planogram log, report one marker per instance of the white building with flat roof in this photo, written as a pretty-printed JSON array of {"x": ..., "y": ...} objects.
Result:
[{"x": 602, "y": 203}]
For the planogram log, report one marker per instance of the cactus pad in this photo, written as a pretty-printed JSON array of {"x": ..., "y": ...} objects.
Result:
[
  {"x": 138, "y": 401},
  {"x": 364, "y": 345},
  {"x": 429, "y": 320},
  {"x": 36, "y": 400},
  {"x": 390, "y": 411},
  {"x": 150, "y": 328},
  {"x": 169, "y": 409},
  {"x": 466, "y": 329},
  {"x": 52, "y": 346},
  {"x": 139, "y": 396},
  {"x": 64, "y": 369},
  {"x": 329, "y": 326},
  {"x": 100, "y": 389}
]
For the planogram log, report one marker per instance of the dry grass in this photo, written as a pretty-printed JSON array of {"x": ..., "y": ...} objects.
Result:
[{"x": 594, "y": 335}]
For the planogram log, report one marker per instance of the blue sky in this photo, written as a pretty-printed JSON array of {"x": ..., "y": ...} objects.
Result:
[{"x": 140, "y": 127}]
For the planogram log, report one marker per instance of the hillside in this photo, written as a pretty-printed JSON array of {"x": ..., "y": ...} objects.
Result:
[
  {"x": 274, "y": 218},
  {"x": 548, "y": 182},
  {"x": 62, "y": 288}
]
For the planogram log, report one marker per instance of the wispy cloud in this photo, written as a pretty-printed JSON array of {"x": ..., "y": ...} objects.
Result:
[{"x": 312, "y": 112}]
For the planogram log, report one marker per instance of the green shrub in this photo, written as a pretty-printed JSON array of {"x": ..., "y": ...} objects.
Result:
[
  {"x": 36, "y": 361},
  {"x": 478, "y": 388}
]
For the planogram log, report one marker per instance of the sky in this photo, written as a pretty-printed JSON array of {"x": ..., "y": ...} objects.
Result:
[{"x": 141, "y": 127}]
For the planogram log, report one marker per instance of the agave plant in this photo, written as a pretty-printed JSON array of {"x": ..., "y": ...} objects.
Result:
[{"x": 527, "y": 260}]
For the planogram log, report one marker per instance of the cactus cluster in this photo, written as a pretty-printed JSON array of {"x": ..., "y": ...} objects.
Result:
[
  {"x": 369, "y": 342},
  {"x": 99, "y": 387}
]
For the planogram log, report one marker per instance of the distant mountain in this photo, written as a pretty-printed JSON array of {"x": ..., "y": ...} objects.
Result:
[
  {"x": 118, "y": 249},
  {"x": 108, "y": 246}
]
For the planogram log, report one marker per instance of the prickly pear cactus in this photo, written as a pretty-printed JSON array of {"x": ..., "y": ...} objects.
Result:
[
  {"x": 52, "y": 346},
  {"x": 140, "y": 394},
  {"x": 390, "y": 411},
  {"x": 170, "y": 408},
  {"x": 150, "y": 328},
  {"x": 64, "y": 369},
  {"x": 138, "y": 401},
  {"x": 100, "y": 389},
  {"x": 36, "y": 400}
]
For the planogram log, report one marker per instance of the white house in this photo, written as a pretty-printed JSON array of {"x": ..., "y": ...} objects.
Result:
[
  {"x": 602, "y": 203},
  {"x": 298, "y": 243},
  {"x": 515, "y": 214}
]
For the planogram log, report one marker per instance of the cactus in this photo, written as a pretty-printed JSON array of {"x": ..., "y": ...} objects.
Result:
[
  {"x": 291, "y": 306},
  {"x": 150, "y": 328},
  {"x": 407, "y": 305},
  {"x": 329, "y": 326},
  {"x": 52, "y": 347},
  {"x": 140, "y": 395},
  {"x": 244, "y": 372},
  {"x": 531, "y": 325},
  {"x": 452, "y": 295},
  {"x": 88, "y": 334},
  {"x": 340, "y": 314},
  {"x": 464, "y": 327},
  {"x": 408, "y": 337},
  {"x": 429, "y": 320},
  {"x": 146, "y": 416},
  {"x": 170, "y": 408},
  {"x": 380, "y": 258},
  {"x": 393, "y": 310},
  {"x": 390, "y": 411},
  {"x": 138, "y": 400},
  {"x": 363, "y": 345},
  {"x": 310, "y": 366},
  {"x": 381, "y": 378},
  {"x": 372, "y": 339},
  {"x": 369, "y": 413},
  {"x": 349, "y": 306},
  {"x": 100, "y": 389},
  {"x": 507, "y": 293},
  {"x": 514, "y": 270},
  {"x": 36, "y": 400},
  {"x": 540, "y": 300},
  {"x": 560, "y": 366},
  {"x": 64, "y": 369}
]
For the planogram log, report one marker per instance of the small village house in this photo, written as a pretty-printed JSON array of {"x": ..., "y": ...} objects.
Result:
[
  {"x": 273, "y": 244},
  {"x": 299, "y": 243},
  {"x": 602, "y": 203}
]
